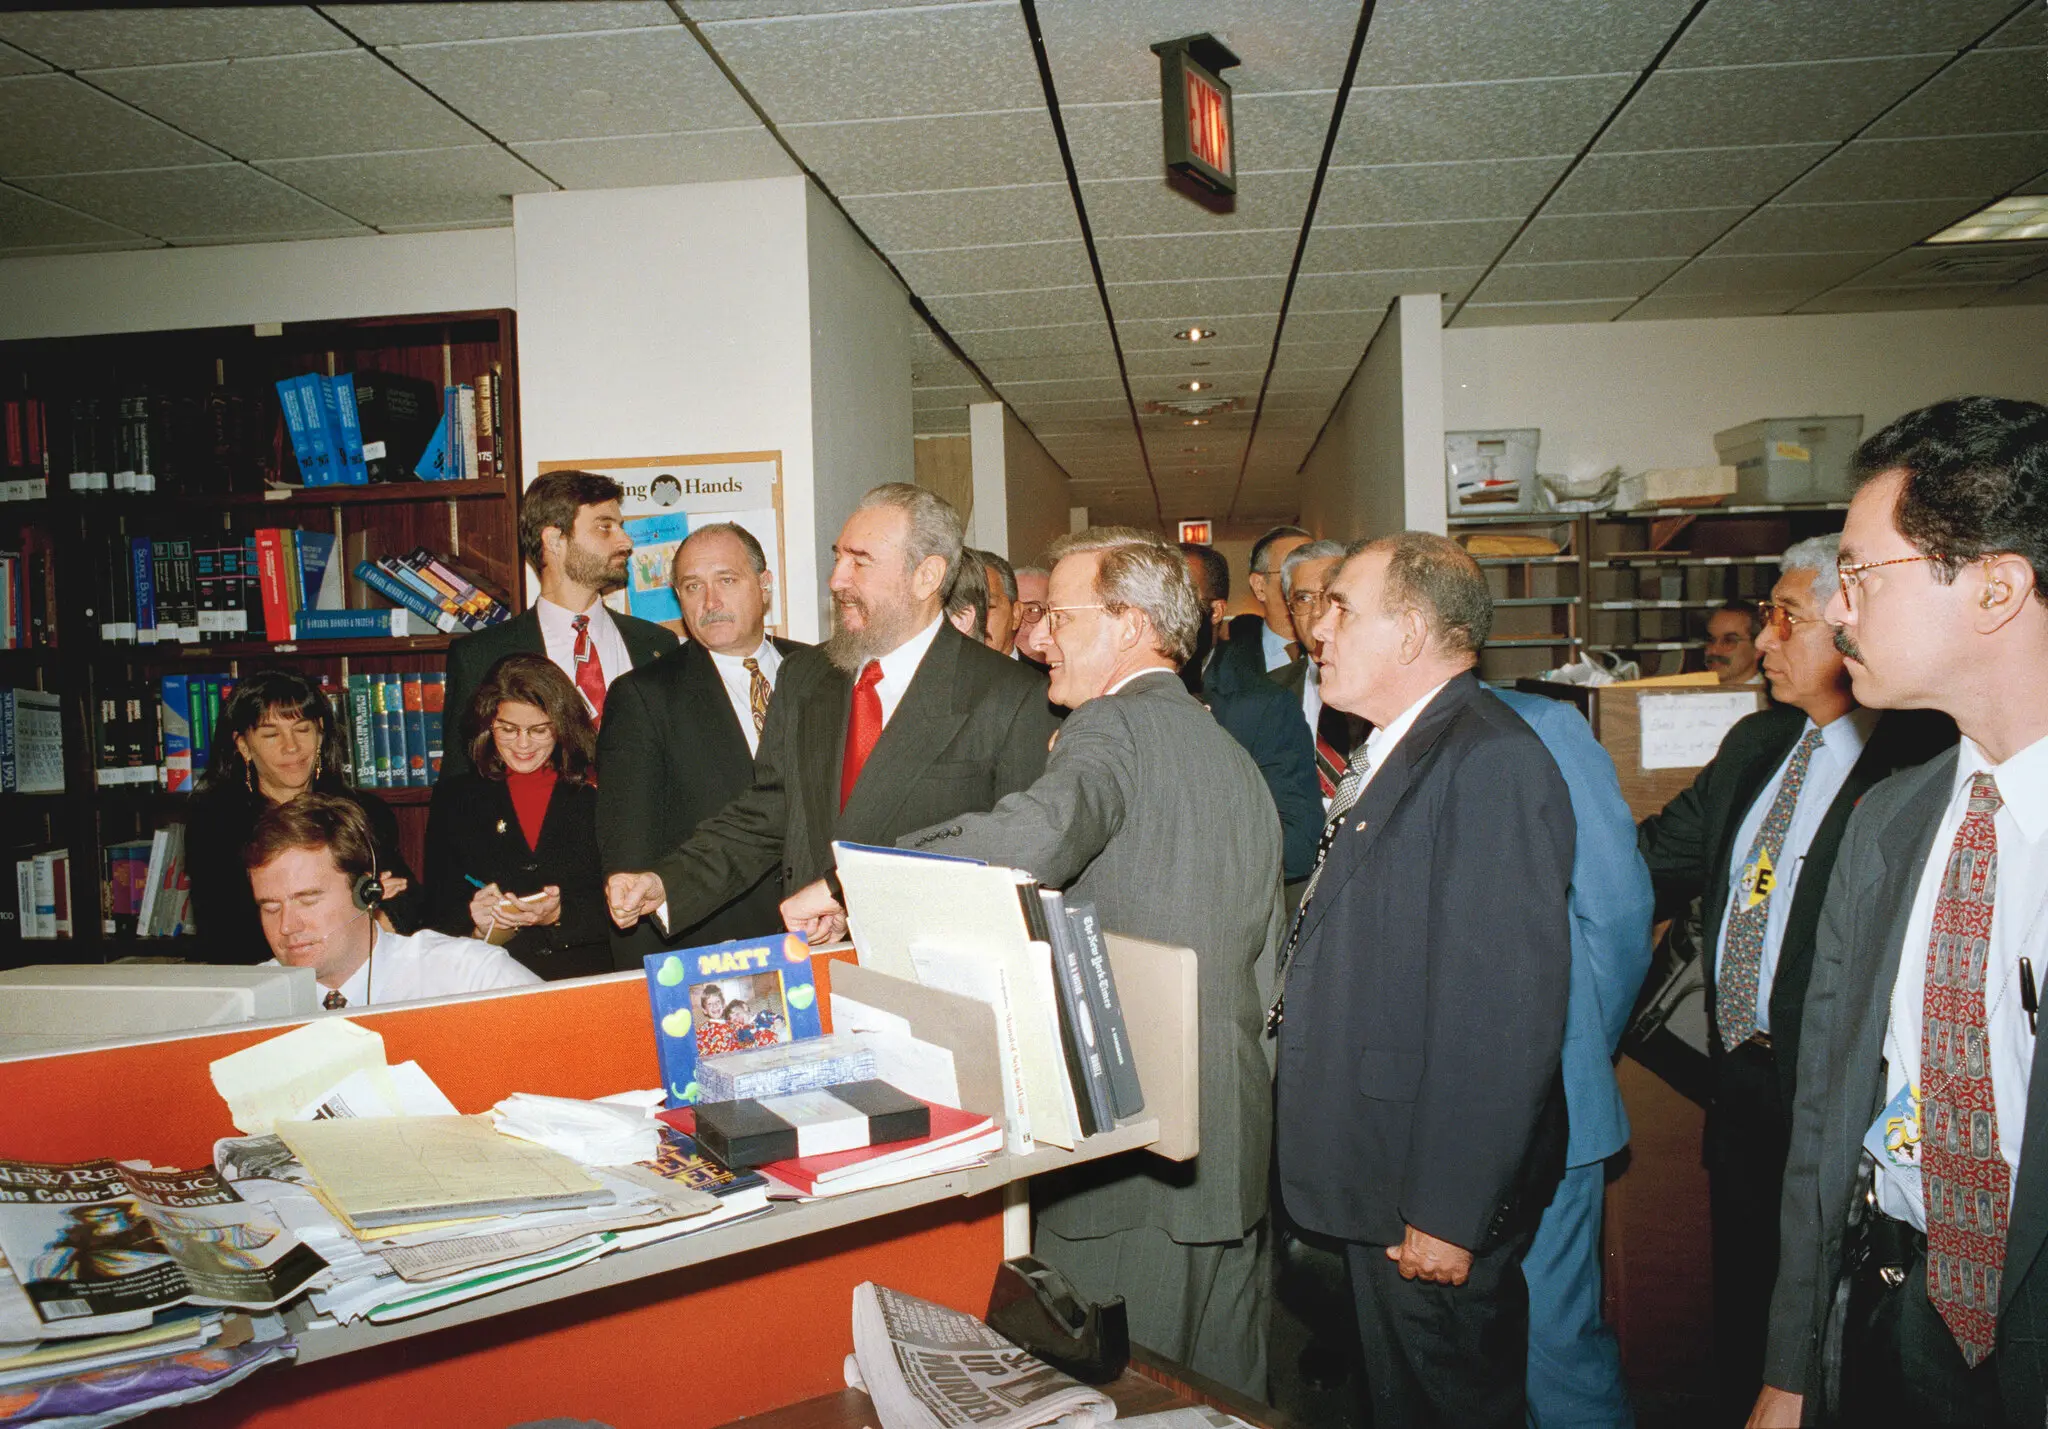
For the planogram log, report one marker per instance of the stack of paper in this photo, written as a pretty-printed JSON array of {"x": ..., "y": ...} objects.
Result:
[
  {"x": 615, "y": 1131},
  {"x": 958, "y": 1139}
]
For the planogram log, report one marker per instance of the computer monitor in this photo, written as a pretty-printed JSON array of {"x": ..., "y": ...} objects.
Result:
[{"x": 54, "y": 1007}]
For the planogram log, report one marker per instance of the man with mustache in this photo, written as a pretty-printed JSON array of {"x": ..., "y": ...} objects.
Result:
[
  {"x": 572, "y": 534},
  {"x": 1732, "y": 651},
  {"x": 1755, "y": 839},
  {"x": 896, "y": 722},
  {"x": 680, "y": 734}
]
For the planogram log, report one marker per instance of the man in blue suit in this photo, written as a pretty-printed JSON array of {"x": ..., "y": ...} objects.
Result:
[{"x": 1574, "y": 1360}]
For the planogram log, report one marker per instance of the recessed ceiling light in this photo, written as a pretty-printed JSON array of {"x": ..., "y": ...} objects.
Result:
[
  {"x": 2010, "y": 219},
  {"x": 1196, "y": 386},
  {"x": 1194, "y": 449},
  {"x": 1197, "y": 422},
  {"x": 1196, "y": 334}
]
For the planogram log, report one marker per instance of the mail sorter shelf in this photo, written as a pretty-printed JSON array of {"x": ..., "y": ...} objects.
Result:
[{"x": 783, "y": 1222}]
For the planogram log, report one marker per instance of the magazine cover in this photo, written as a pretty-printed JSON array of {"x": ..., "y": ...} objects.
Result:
[
  {"x": 655, "y": 538},
  {"x": 729, "y": 996}
]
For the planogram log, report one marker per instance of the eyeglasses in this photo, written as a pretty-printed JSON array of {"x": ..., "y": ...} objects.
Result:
[
  {"x": 522, "y": 734},
  {"x": 1851, "y": 576},
  {"x": 1309, "y": 599},
  {"x": 1778, "y": 619},
  {"x": 1057, "y": 616},
  {"x": 1030, "y": 611}
]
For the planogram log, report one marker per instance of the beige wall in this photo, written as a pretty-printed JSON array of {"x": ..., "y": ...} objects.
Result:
[
  {"x": 946, "y": 465},
  {"x": 1036, "y": 494},
  {"x": 1378, "y": 466}
]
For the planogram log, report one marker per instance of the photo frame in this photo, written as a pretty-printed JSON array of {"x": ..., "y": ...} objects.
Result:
[{"x": 770, "y": 976}]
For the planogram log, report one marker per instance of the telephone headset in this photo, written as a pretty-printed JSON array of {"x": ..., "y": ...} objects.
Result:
[{"x": 367, "y": 892}]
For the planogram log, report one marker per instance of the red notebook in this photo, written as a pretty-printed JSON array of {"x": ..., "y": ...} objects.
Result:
[{"x": 952, "y": 1130}]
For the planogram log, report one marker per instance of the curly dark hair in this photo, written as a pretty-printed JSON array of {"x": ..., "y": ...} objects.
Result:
[
  {"x": 532, "y": 680},
  {"x": 1976, "y": 481},
  {"x": 258, "y": 696}
]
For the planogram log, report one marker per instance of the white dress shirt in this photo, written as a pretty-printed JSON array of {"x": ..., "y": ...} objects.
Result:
[
  {"x": 1275, "y": 646},
  {"x": 1841, "y": 745},
  {"x": 2017, "y": 925},
  {"x": 1381, "y": 742},
  {"x": 558, "y": 635},
  {"x": 429, "y": 964},
  {"x": 739, "y": 684},
  {"x": 1312, "y": 696},
  {"x": 899, "y": 667}
]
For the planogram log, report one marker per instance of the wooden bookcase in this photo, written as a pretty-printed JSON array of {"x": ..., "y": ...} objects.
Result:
[{"x": 477, "y": 521}]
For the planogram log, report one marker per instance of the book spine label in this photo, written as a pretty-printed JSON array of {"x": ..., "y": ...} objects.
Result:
[
  {"x": 385, "y": 584},
  {"x": 1085, "y": 1062},
  {"x": 142, "y": 570},
  {"x": 360, "y": 737},
  {"x": 301, "y": 434},
  {"x": 353, "y": 624},
  {"x": 354, "y": 472},
  {"x": 277, "y": 616},
  {"x": 416, "y": 766},
  {"x": 434, "y": 697},
  {"x": 380, "y": 733},
  {"x": 1125, "y": 1091},
  {"x": 176, "y": 695}
]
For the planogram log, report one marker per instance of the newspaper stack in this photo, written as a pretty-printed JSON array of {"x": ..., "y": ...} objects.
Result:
[{"x": 928, "y": 1367}]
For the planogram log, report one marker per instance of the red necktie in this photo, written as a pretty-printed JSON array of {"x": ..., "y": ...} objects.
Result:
[
  {"x": 589, "y": 669},
  {"x": 863, "y": 729},
  {"x": 1963, "y": 1174}
]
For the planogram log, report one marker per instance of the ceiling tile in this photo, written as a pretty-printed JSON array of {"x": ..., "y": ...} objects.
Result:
[
  {"x": 1100, "y": 52},
  {"x": 1122, "y": 141},
  {"x": 1830, "y": 227},
  {"x": 1173, "y": 386},
  {"x": 1981, "y": 166},
  {"x": 1167, "y": 358},
  {"x": 1102, "y": 364},
  {"x": 422, "y": 24},
  {"x": 197, "y": 204},
  {"x": 1718, "y": 273},
  {"x": 94, "y": 39},
  {"x": 937, "y": 399},
  {"x": 29, "y": 222},
  {"x": 2028, "y": 27},
  {"x": 423, "y": 187},
  {"x": 1132, "y": 207},
  {"x": 1197, "y": 255},
  {"x": 2034, "y": 290},
  {"x": 2036, "y": 185},
  {"x": 1618, "y": 182},
  {"x": 1000, "y": 268},
  {"x": 953, "y": 218},
  {"x": 1421, "y": 42},
  {"x": 293, "y": 108},
  {"x": 618, "y": 82},
  {"x": 1355, "y": 327},
  {"x": 940, "y": 423},
  {"x": 1662, "y": 306},
  {"x": 1051, "y": 340},
  {"x": 1529, "y": 314},
  {"x": 880, "y": 63},
  {"x": 1371, "y": 292},
  {"x": 649, "y": 159},
  {"x": 52, "y": 250},
  {"x": 916, "y": 155},
  {"x": 54, "y": 124},
  {"x": 1308, "y": 353},
  {"x": 1037, "y": 393},
  {"x": 1037, "y": 308},
  {"x": 1738, "y": 32},
  {"x": 1378, "y": 247},
  {"x": 1209, "y": 301},
  {"x": 13, "y": 61},
  {"x": 1104, "y": 408},
  {"x": 1437, "y": 193},
  {"x": 1765, "y": 104},
  {"x": 1584, "y": 237},
  {"x": 1988, "y": 92},
  {"x": 1956, "y": 263},
  {"x": 1253, "y": 330},
  {"x": 1503, "y": 120},
  {"x": 1562, "y": 282},
  {"x": 1892, "y": 300}
]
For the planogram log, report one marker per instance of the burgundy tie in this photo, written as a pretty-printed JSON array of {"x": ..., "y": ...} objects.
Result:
[
  {"x": 862, "y": 729},
  {"x": 589, "y": 669},
  {"x": 1963, "y": 1175}
]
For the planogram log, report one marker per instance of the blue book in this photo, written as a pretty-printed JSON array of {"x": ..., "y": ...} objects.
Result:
[
  {"x": 693, "y": 992},
  {"x": 380, "y": 735},
  {"x": 349, "y": 421},
  {"x": 387, "y": 585},
  {"x": 394, "y": 719},
  {"x": 316, "y": 398},
  {"x": 319, "y": 572},
  {"x": 204, "y": 696},
  {"x": 434, "y": 695},
  {"x": 296, "y": 422},
  {"x": 359, "y": 625},
  {"x": 142, "y": 567},
  {"x": 175, "y": 692},
  {"x": 655, "y": 538},
  {"x": 433, "y": 462}
]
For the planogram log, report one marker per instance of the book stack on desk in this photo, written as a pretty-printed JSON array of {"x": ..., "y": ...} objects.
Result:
[{"x": 761, "y": 1133}]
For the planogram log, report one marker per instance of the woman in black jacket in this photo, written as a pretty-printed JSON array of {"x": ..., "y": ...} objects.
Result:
[
  {"x": 512, "y": 842},
  {"x": 277, "y": 738}
]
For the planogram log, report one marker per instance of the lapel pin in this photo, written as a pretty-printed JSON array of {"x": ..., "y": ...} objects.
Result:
[
  {"x": 501, "y": 826},
  {"x": 1359, "y": 827}
]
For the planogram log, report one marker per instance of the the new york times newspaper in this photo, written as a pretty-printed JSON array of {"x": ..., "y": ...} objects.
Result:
[
  {"x": 928, "y": 1367},
  {"x": 96, "y": 1239}
]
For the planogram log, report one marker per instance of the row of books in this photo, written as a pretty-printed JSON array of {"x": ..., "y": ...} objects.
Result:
[
  {"x": 433, "y": 587},
  {"x": 145, "y": 891},
  {"x": 216, "y": 440},
  {"x": 25, "y": 448},
  {"x": 31, "y": 742},
  {"x": 395, "y": 726},
  {"x": 28, "y": 592},
  {"x": 356, "y": 428},
  {"x": 42, "y": 893}
]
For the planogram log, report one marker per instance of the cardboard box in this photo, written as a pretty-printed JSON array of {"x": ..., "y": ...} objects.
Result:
[
  {"x": 1676, "y": 486},
  {"x": 1789, "y": 459}
]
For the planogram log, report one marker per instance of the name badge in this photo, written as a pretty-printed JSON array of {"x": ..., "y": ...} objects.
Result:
[{"x": 1894, "y": 1138}]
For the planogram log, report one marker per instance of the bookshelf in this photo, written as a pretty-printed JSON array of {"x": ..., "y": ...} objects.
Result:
[{"x": 224, "y": 468}]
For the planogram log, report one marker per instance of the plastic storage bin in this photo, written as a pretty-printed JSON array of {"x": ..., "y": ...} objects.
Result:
[
  {"x": 1491, "y": 473},
  {"x": 1781, "y": 459}
]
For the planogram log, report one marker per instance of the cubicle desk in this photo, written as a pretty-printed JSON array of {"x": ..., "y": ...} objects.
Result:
[{"x": 727, "y": 1322}]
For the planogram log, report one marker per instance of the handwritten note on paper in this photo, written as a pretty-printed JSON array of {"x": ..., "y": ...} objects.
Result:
[{"x": 1685, "y": 731}]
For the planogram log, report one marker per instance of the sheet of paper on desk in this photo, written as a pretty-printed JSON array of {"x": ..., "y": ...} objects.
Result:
[
  {"x": 403, "y": 1090},
  {"x": 905, "y": 1062},
  {"x": 271, "y": 1081},
  {"x": 387, "y": 1169},
  {"x": 1685, "y": 731}
]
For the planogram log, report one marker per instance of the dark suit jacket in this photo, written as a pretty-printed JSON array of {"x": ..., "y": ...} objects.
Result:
[
  {"x": 1425, "y": 1008},
  {"x": 1241, "y": 659},
  {"x": 1267, "y": 721},
  {"x": 1861, "y": 938},
  {"x": 1690, "y": 847},
  {"x": 972, "y": 727},
  {"x": 473, "y": 830},
  {"x": 672, "y": 754},
  {"x": 471, "y": 658}
]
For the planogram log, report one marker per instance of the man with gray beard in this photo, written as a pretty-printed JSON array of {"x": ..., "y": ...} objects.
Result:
[{"x": 896, "y": 722}]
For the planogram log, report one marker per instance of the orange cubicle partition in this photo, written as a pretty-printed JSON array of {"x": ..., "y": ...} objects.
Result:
[{"x": 692, "y": 1347}]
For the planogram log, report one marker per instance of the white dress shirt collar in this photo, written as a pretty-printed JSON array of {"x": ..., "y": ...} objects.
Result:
[
  {"x": 1139, "y": 675},
  {"x": 1380, "y": 743},
  {"x": 2022, "y": 782},
  {"x": 899, "y": 668},
  {"x": 1274, "y": 646},
  {"x": 559, "y": 620},
  {"x": 739, "y": 684}
]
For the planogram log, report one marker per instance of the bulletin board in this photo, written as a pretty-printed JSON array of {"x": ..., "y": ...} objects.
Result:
[{"x": 667, "y": 497}]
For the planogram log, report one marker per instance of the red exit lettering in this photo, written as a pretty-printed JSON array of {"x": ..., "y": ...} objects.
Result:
[{"x": 1208, "y": 128}]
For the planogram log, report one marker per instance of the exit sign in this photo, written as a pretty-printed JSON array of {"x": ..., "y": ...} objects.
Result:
[
  {"x": 1196, "y": 533},
  {"x": 1195, "y": 105}
]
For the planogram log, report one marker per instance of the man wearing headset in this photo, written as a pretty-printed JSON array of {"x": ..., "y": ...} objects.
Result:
[{"x": 313, "y": 869}]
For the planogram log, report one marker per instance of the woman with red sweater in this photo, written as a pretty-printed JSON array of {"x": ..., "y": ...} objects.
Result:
[{"x": 512, "y": 843}]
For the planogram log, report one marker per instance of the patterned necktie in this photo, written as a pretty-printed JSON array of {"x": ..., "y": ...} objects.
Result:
[
  {"x": 863, "y": 728},
  {"x": 757, "y": 693},
  {"x": 1963, "y": 1175},
  {"x": 1333, "y": 739},
  {"x": 1742, "y": 963},
  {"x": 1348, "y": 789},
  {"x": 334, "y": 1001},
  {"x": 589, "y": 669}
]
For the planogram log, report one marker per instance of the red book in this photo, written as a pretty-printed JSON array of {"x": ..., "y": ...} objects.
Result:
[
  {"x": 955, "y": 1134},
  {"x": 277, "y": 611}
]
